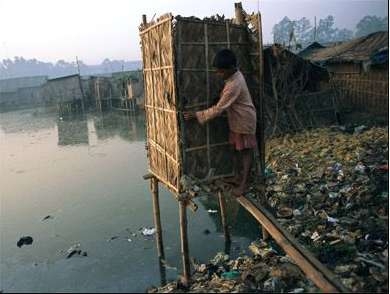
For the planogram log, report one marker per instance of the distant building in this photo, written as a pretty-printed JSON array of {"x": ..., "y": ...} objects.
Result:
[
  {"x": 21, "y": 92},
  {"x": 63, "y": 89},
  {"x": 359, "y": 69}
]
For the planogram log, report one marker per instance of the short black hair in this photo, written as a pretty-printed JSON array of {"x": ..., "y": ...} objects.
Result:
[{"x": 225, "y": 59}]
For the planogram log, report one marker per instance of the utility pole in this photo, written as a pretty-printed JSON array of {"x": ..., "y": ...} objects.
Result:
[
  {"x": 315, "y": 28},
  {"x": 80, "y": 84}
]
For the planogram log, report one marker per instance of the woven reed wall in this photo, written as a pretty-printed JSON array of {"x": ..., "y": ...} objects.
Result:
[
  {"x": 162, "y": 124},
  {"x": 363, "y": 91},
  {"x": 178, "y": 76}
]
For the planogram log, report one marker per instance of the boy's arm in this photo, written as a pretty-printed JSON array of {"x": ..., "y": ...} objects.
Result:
[{"x": 230, "y": 94}]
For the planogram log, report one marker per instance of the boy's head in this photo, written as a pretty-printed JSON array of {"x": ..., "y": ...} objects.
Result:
[{"x": 225, "y": 62}]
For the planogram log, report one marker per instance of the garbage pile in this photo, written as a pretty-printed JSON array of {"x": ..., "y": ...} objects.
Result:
[
  {"x": 266, "y": 271},
  {"x": 329, "y": 188}
]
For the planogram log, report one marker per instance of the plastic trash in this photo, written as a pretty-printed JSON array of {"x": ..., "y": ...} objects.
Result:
[
  {"x": 359, "y": 129},
  {"x": 360, "y": 168},
  {"x": 332, "y": 220},
  {"x": 27, "y": 240},
  {"x": 148, "y": 231},
  {"x": 231, "y": 275},
  {"x": 212, "y": 211}
]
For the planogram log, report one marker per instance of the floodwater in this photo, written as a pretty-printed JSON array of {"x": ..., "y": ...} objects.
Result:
[{"x": 85, "y": 177}]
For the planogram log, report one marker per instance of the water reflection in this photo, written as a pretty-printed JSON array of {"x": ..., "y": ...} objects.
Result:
[
  {"x": 26, "y": 121},
  {"x": 240, "y": 222},
  {"x": 72, "y": 131},
  {"x": 126, "y": 126}
]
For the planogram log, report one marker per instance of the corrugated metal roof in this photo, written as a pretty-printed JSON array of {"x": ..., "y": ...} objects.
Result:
[{"x": 356, "y": 50}]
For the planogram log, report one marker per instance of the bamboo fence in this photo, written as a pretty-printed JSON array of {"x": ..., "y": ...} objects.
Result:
[{"x": 367, "y": 92}]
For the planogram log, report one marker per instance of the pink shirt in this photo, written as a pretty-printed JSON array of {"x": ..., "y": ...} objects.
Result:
[{"x": 237, "y": 101}]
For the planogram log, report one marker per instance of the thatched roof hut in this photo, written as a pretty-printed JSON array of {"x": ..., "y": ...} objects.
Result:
[
  {"x": 365, "y": 51},
  {"x": 359, "y": 70}
]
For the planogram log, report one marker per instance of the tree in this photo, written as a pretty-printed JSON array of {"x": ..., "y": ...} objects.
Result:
[
  {"x": 344, "y": 35},
  {"x": 281, "y": 31},
  {"x": 325, "y": 31},
  {"x": 370, "y": 24},
  {"x": 302, "y": 31}
]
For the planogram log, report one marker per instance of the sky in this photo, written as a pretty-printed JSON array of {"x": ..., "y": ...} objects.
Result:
[{"x": 50, "y": 30}]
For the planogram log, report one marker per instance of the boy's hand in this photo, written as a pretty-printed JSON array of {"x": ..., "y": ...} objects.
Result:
[{"x": 189, "y": 115}]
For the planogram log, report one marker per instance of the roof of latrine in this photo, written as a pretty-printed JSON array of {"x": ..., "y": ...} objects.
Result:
[{"x": 357, "y": 50}]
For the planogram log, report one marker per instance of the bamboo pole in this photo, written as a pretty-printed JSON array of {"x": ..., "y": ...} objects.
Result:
[
  {"x": 184, "y": 241},
  {"x": 156, "y": 216},
  {"x": 208, "y": 93},
  {"x": 239, "y": 19},
  {"x": 261, "y": 121}
]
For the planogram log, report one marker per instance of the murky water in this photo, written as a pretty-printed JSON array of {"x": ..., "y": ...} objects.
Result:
[{"x": 86, "y": 174}]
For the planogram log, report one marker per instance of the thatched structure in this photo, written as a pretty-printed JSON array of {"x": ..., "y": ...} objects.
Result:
[
  {"x": 359, "y": 70},
  {"x": 177, "y": 58},
  {"x": 294, "y": 96}
]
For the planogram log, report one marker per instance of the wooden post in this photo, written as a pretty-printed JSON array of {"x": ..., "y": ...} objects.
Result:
[
  {"x": 81, "y": 85},
  {"x": 184, "y": 241},
  {"x": 239, "y": 19},
  {"x": 156, "y": 216},
  {"x": 163, "y": 272},
  {"x": 222, "y": 206},
  {"x": 261, "y": 121},
  {"x": 260, "y": 136}
]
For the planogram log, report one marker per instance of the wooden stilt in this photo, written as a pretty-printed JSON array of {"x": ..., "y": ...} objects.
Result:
[
  {"x": 184, "y": 241},
  {"x": 222, "y": 206},
  {"x": 156, "y": 216},
  {"x": 163, "y": 272}
]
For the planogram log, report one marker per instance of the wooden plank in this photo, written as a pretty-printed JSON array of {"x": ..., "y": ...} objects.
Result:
[
  {"x": 205, "y": 146},
  {"x": 216, "y": 43},
  {"x": 160, "y": 108},
  {"x": 313, "y": 269},
  {"x": 155, "y": 25},
  {"x": 163, "y": 151},
  {"x": 159, "y": 68},
  {"x": 173, "y": 189}
]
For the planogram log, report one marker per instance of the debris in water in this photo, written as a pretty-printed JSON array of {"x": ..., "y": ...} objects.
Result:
[
  {"x": 47, "y": 217},
  {"x": 73, "y": 252},
  {"x": 212, "y": 211},
  {"x": 27, "y": 240},
  {"x": 148, "y": 231}
]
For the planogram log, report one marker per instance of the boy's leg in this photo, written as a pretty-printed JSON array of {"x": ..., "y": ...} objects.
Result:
[
  {"x": 246, "y": 156},
  {"x": 236, "y": 179}
]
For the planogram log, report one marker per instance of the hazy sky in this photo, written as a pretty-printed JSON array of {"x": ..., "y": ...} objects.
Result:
[{"x": 50, "y": 30}]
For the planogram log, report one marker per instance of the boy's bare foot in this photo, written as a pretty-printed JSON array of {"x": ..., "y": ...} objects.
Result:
[
  {"x": 238, "y": 192},
  {"x": 233, "y": 180}
]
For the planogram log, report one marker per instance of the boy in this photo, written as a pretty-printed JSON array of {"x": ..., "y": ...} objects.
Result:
[{"x": 236, "y": 100}]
